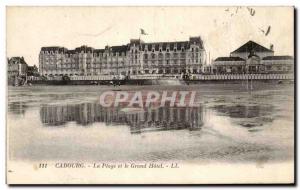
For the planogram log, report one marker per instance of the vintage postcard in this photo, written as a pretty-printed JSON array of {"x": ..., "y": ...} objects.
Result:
[{"x": 150, "y": 95}]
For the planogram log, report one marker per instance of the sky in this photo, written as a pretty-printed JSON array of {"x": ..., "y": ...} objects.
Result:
[{"x": 222, "y": 29}]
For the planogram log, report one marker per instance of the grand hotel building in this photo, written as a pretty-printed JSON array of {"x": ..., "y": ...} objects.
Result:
[{"x": 137, "y": 57}]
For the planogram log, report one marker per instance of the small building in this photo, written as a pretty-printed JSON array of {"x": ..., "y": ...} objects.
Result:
[
  {"x": 32, "y": 71},
  {"x": 16, "y": 70},
  {"x": 253, "y": 58},
  {"x": 278, "y": 64},
  {"x": 16, "y": 67},
  {"x": 223, "y": 65}
]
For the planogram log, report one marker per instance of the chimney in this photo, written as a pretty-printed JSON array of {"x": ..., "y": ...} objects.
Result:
[{"x": 272, "y": 47}]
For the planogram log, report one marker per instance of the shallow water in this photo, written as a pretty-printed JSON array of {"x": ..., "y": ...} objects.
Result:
[{"x": 229, "y": 124}]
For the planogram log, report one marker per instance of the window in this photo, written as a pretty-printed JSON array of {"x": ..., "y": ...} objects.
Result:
[
  {"x": 145, "y": 56},
  {"x": 182, "y": 55},
  {"x": 167, "y": 55},
  {"x": 153, "y": 56},
  {"x": 160, "y": 55}
]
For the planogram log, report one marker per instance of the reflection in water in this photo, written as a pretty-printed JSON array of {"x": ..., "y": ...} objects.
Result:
[
  {"x": 251, "y": 115},
  {"x": 17, "y": 108},
  {"x": 144, "y": 120},
  {"x": 243, "y": 111},
  {"x": 234, "y": 127}
]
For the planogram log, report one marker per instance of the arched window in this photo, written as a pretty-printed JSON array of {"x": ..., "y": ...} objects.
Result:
[
  {"x": 175, "y": 55},
  {"x": 153, "y": 55},
  {"x": 145, "y": 56},
  {"x": 160, "y": 55},
  {"x": 167, "y": 55}
]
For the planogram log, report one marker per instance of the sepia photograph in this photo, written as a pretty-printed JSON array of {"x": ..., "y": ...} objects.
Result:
[{"x": 150, "y": 95}]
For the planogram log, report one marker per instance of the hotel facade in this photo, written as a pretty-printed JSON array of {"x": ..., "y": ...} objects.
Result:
[{"x": 135, "y": 58}]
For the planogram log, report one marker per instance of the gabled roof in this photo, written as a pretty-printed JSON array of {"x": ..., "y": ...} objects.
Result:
[
  {"x": 251, "y": 47},
  {"x": 283, "y": 57},
  {"x": 229, "y": 59},
  {"x": 17, "y": 60}
]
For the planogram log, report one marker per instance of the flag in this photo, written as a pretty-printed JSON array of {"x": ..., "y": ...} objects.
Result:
[{"x": 143, "y": 32}]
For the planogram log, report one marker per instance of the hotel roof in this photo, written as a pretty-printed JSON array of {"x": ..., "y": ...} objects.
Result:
[
  {"x": 163, "y": 45},
  {"x": 54, "y": 48},
  {"x": 119, "y": 49}
]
